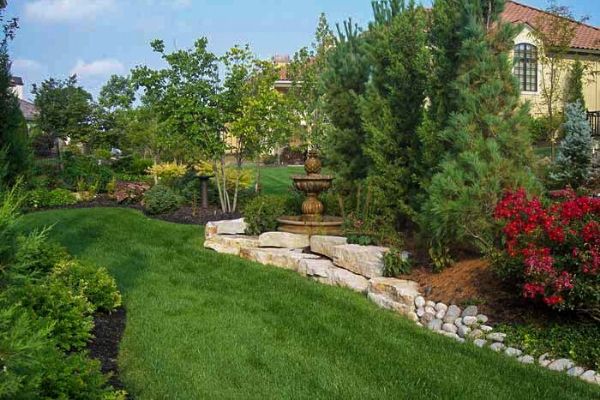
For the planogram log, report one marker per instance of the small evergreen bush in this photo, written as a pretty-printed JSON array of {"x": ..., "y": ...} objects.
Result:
[
  {"x": 261, "y": 213},
  {"x": 572, "y": 165},
  {"x": 87, "y": 280},
  {"x": 161, "y": 199}
]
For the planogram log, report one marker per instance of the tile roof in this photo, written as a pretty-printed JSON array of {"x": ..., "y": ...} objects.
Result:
[
  {"x": 16, "y": 81},
  {"x": 586, "y": 36}
]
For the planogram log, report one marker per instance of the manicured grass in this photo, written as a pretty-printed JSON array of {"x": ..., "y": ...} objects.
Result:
[
  {"x": 277, "y": 180},
  {"x": 201, "y": 325}
]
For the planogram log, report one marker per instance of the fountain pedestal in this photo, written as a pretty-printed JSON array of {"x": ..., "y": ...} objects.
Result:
[{"x": 312, "y": 221}]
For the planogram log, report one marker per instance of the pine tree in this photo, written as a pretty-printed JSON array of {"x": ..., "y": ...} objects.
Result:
[
  {"x": 392, "y": 107},
  {"x": 574, "y": 90},
  {"x": 444, "y": 30},
  {"x": 14, "y": 141},
  {"x": 344, "y": 81},
  {"x": 572, "y": 165},
  {"x": 488, "y": 146}
]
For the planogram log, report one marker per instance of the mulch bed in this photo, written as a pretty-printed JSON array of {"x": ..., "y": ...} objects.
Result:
[
  {"x": 108, "y": 330},
  {"x": 472, "y": 281}
]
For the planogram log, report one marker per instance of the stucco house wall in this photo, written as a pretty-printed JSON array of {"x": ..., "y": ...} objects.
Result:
[{"x": 591, "y": 79}]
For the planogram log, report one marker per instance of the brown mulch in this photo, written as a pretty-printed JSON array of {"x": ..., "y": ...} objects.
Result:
[
  {"x": 108, "y": 330},
  {"x": 473, "y": 281}
]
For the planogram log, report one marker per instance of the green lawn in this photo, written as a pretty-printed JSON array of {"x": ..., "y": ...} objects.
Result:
[
  {"x": 201, "y": 325},
  {"x": 277, "y": 180}
]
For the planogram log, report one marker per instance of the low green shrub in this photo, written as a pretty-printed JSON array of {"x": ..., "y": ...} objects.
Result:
[
  {"x": 261, "y": 212},
  {"x": 35, "y": 255},
  {"x": 577, "y": 340},
  {"x": 43, "y": 198},
  {"x": 396, "y": 262},
  {"x": 161, "y": 199},
  {"x": 87, "y": 280},
  {"x": 69, "y": 313}
]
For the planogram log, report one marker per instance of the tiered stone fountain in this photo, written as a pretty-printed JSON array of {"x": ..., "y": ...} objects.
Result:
[{"x": 312, "y": 221}]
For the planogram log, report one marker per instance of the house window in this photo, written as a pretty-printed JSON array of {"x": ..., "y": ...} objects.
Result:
[{"x": 526, "y": 66}]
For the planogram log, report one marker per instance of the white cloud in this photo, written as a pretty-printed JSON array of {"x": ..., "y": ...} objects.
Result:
[
  {"x": 25, "y": 64},
  {"x": 67, "y": 10},
  {"x": 97, "y": 68}
]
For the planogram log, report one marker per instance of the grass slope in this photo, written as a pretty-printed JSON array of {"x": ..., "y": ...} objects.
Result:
[{"x": 207, "y": 326}]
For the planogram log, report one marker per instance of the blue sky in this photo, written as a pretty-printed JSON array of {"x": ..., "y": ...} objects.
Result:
[{"x": 96, "y": 38}]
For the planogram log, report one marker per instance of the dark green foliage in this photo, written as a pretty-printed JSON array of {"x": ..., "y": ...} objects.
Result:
[
  {"x": 392, "y": 107},
  {"x": 89, "y": 281},
  {"x": 15, "y": 152},
  {"x": 344, "y": 81},
  {"x": 161, "y": 199},
  {"x": 35, "y": 255},
  {"x": 396, "y": 263},
  {"x": 68, "y": 312},
  {"x": 261, "y": 213},
  {"x": 44, "y": 198},
  {"x": 574, "y": 159},
  {"x": 574, "y": 85},
  {"x": 487, "y": 144},
  {"x": 574, "y": 339},
  {"x": 65, "y": 109},
  {"x": 77, "y": 167}
]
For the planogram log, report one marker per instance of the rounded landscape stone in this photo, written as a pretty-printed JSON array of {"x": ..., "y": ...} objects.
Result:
[
  {"x": 575, "y": 371},
  {"x": 482, "y": 319},
  {"x": 468, "y": 321},
  {"x": 486, "y": 328},
  {"x": 430, "y": 310},
  {"x": 452, "y": 313},
  {"x": 430, "y": 303},
  {"x": 427, "y": 318},
  {"x": 435, "y": 325},
  {"x": 497, "y": 336},
  {"x": 479, "y": 342},
  {"x": 449, "y": 328},
  {"x": 440, "y": 314},
  {"x": 441, "y": 306},
  {"x": 420, "y": 312},
  {"x": 463, "y": 331},
  {"x": 419, "y": 301},
  {"x": 512, "y": 352},
  {"x": 562, "y": 364},
  {"x": 497, "y": 346},
  {"x": 470, "y": 311},
  {"x": 475, "y": 334},
  {"x": 527, "y": 359}
]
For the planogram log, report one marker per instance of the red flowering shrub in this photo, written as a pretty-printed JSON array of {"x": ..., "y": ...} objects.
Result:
[
  {"x": 130, "y": 192},
  {"x": 552, "y": 250}
]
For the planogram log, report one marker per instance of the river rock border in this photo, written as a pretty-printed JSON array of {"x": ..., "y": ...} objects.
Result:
[{"x": 332, "y": 261}]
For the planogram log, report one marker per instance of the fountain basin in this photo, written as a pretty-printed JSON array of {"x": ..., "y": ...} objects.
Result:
[
  {"x": 312, "y": 183},
  {"x": 311, "y": 224}
]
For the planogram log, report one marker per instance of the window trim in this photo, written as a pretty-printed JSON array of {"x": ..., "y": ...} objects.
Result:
[{"x": 527, "y": 56}]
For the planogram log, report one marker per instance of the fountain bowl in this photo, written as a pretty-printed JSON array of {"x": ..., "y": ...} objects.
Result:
[
  {"x": 312, "y": 183},
  {"x": 311, "y": 224}
]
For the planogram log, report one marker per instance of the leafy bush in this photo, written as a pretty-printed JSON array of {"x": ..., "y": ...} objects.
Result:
[
  {"x": 576, "y": 340},
  {"x": 161, "y": 199},
  {"x": 396, "y": 262},
  {"x": 231, "y": 174},
  {"x": 552, "y": 251},
  {"x": 43, "y": 198},
  {"x": 89, "y": 281},
  {"x": 130, "y": 192},
  {"x": 77, "y": 166},
  {"x": 167, "y": 173},
  {"x": 132, "y": 165},
  {"x": 261, "y": 213}
]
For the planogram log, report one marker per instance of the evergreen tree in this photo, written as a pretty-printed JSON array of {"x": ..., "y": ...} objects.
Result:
[
  {"x": 344, "y": 81},
  {"x": 572, "y": 165},
  {"x": 488, "y": 146},
  {"x": 392, "y": 106},
  {"x": 14, "y": 142},
  {"x": 444, "y": 30},
  {"x": 574, "y": 90}
]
